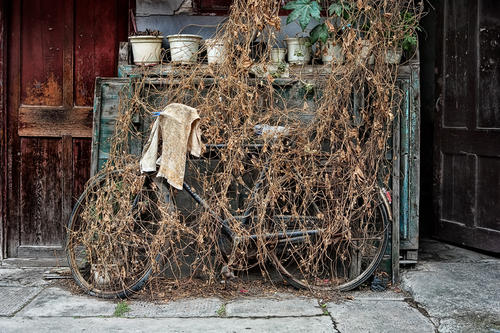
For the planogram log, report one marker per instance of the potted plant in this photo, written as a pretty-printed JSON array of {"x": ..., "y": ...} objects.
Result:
[
  {"x": 184, "y": 48},
  {"x": 304, "y": 11},
  {"x": 146, "y": 47},
  {"x": 406, "y": 43},
  {"x": 216, "y": 51},
  {"x": 278, "y": 55},
  {"x": 329, "y": 33},
  {"x": 299, "y": 50}
]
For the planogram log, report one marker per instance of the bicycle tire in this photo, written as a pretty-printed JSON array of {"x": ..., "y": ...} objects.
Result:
[
  {"x": 285, "y": 264},
  {"x": 79, "y": 254}
]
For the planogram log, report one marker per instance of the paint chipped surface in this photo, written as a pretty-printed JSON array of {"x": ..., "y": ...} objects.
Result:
[{"x": 44, "y": 93}]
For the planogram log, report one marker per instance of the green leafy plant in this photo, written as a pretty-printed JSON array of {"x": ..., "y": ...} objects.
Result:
[
  {"x": 324, "y": 308},
  {"x": 304, "y": 11},
  {"x": 221, "y": 312},
  {"x": 410, "y": 28},
  {"x": 404, "y": 31},
  {"x": 121, "y": 309}
]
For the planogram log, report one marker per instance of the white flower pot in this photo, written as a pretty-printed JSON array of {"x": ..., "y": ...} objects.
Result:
[
  {"x": 365, "y": 54},
  {"x": 299, "y": 50},
  {"x": 215, "y": 51},
  {"x": 393, "y": 56},
  {"x": 184, "y": 48},
  {"x": 332, "y": 52},
  {"x": 146, "y": 50},
  {"x": 278, "y": 55}
]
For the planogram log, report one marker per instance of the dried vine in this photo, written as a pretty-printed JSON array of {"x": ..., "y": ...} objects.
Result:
[{"x": 329, "y": 163}]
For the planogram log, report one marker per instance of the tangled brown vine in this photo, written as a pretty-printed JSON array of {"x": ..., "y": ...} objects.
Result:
[{"x": 327, "y": 161}]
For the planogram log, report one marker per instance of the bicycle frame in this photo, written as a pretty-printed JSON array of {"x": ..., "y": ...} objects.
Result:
[{"x": 288, "y": 236}]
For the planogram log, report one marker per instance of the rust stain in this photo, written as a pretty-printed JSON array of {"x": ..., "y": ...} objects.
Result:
[{"x": 44, "y": 93}]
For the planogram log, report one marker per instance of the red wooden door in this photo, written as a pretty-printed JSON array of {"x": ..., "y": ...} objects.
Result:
[
  {"x": 467, "y": 155},
  {"x": 56, "y": 49}
]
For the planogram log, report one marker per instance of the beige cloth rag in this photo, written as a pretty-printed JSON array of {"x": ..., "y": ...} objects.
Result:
[{"x": 178, "y": 125}]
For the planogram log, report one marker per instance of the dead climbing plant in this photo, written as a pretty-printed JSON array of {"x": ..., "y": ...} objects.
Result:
[{"x": 328, "y": 165}]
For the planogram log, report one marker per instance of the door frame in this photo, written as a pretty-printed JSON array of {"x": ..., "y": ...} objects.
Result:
[{"x": 3, "y": 121}]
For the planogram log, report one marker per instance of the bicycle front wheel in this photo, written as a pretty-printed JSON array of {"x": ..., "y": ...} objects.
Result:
[
  {"x": 340, "y": 261},
  {"x": 109, "y": 234}
]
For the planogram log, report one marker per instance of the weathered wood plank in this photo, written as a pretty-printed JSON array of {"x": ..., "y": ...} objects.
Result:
[
  {"x": 41, "y": 192},
  {"x": 488, "y": 193},
  {"x": 489, "y": 65},
  {"x": 95, "y": 51},
  {"x": 55, "y": 122},
  {"x": 459, "y": 94},
  {"x": 81, "y": 166},
  {"x": 67, "y": 178},
  {"x": 68, "y": 54},
  {"x": 13, "y": 140},
  {"x": 43, "y": 30},
  {"x": 3, "y": 123},
  {"x": 396, "y": 181}
]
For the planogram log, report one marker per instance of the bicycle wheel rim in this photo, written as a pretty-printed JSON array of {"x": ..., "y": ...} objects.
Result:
[
  {"x": 101, "y": 279},
  {"x": 286, "y": 264}
]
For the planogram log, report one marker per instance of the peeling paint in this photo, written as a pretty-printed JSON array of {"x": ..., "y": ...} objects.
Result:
[{"x": 44, "y": 93}]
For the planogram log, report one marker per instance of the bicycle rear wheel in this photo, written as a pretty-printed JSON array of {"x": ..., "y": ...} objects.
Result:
[
  {"x": 340, "y": 261},
  {"x": 109, "y": 232}
]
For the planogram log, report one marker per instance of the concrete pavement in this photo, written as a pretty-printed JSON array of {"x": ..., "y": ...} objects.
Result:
[{"x": 450, "y": 290}]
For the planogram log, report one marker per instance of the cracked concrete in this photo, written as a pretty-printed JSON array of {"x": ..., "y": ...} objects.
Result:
[
  {"x": 450, "y": 290},
  {"x": 458, "y": 288}
]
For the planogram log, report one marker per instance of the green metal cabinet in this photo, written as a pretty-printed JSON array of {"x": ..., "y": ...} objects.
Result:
[{"x": 405, "y": 144}]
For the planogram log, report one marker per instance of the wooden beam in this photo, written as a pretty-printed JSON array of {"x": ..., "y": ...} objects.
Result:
[
  {"x": 396, "y": 178},
  {"x": 69, "y": 27},
  {"x": 67, "y": 177},
  {"x": 55, "y": 122},
  {"x": 3, "y": 123},
  {"x": 12, "y": 228}
]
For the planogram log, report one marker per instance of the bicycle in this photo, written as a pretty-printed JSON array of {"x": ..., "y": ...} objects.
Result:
[{"x": 364, "y": 244}]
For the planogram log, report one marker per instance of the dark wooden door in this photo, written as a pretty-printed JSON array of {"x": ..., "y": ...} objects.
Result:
[
  {"x": 467, "y": 155},
  {"x": 56, "y": 49}
]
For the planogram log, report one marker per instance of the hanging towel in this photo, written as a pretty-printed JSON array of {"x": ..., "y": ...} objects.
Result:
[{"x": 178, "y": 126}]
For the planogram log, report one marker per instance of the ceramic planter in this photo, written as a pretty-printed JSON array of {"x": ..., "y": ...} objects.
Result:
[
  {"x": 393, "y": 56},
  {"x": 215, "y": 51},
  {"x": 299, "y": 50},
  {"x": 278, "y": 55},
  {"x": 332, "y": 51},
  {"x": 184, "y": 48},
  {"x": 146, "y": 50}
]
